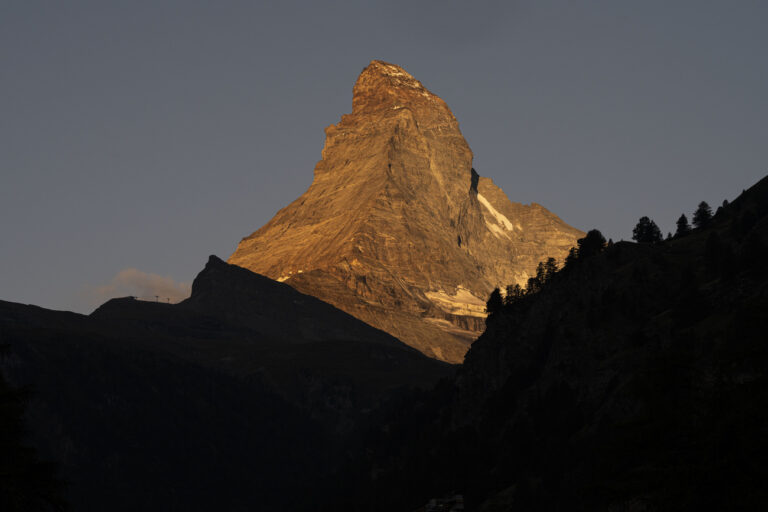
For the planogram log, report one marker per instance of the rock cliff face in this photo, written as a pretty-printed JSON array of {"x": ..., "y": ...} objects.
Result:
[{"x": 397, "y": 228}]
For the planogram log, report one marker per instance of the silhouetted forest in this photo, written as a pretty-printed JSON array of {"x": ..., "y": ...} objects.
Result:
[{"x": 632, "y": 377}]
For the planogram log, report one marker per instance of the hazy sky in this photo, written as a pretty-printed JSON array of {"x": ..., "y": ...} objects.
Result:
[{"x": 138, "y": 137}]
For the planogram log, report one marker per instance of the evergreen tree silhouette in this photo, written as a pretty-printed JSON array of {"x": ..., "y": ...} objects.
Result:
[
  {"x": 591, "y": 244},
  {"x": 533, "y": 286},
  {"x": 646, "y": 231},
  {"x": 573, "y": 254},
  {"x": 514, "y": 293},
  {"x": 535, "y": 283},
  {"x": 702, "y": 215},
  {"x": 550, "y": 269},
  {"x": 683, "y": 228},
  {"x": 495, "y": 302}
]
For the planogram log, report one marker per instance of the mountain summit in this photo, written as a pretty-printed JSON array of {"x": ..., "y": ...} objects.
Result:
[{"x": 397, "y": 228}]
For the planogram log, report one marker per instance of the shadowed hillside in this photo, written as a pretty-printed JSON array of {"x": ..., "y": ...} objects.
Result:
[
  {"x": 236, "y": 399},
  {"x": 635, "y": 379},
  {"x": 26, "y": 483}
]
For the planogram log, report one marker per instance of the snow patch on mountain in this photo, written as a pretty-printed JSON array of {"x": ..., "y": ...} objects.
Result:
[
  {"x": 463, "y": 302},
  {"x": 501, "y": 219}
]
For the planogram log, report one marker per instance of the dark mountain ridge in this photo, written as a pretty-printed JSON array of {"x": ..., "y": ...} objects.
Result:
[
  {"x": 635, "y": 379},
  {"x": 235, "y": 399}
]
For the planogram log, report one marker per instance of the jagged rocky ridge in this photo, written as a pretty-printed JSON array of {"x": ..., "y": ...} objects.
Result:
[
  {"x": 397, "y": 229},
  {"x": 635, "y": 380},
  {"x": 238, "y": 398}
]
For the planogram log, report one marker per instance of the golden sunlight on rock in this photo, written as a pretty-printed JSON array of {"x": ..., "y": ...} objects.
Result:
[{"x": 397, "y": 229}]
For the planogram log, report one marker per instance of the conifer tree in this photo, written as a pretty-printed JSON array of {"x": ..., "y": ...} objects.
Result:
[
  {"x": 683, "y": 228},
  {"x": 495, "y": 303},
  {"x": 514, "y": 293},
  {"x": 703, "y": 215},
  {"x": 646, "y": 231},
  {"x": 591, "y": 244},
  {"x": 573, "y": 254},
  {"x": 550, "y": 269}
]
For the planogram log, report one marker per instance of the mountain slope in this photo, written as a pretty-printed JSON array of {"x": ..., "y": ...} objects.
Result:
[
  {"x": 636, "y": 379},
  {"x": 397, "y": 229},
  {"x": 236, "y": 399}
]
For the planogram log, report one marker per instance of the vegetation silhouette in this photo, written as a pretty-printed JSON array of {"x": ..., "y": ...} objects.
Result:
[
  {"x": 683, "y": 228},
  {"x": 494, "y": 303},
  {"x": 634, "y": 378},
  {"x": 646, "y": 232},
  {"x": 590, "y": 245},
  {"x": 702, "y": 215}
]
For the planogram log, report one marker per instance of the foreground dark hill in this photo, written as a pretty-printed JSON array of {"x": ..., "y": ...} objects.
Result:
[
  {"x": 636, "y": 379},
  {"x": 235, "y": 399}
]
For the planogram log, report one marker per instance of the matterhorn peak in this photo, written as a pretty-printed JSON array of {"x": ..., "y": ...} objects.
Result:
[
  {"x": 384, "y": 76},
  {"x": 397, "y": 229},
  {"x": 382, "y": 86},
  {"x": 397, "y": 74}
]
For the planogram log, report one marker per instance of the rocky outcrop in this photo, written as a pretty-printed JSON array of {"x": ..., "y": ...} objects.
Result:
[{"x": 397, "y": 228}]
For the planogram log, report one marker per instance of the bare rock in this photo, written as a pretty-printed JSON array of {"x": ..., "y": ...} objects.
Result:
[{"x": 398, "y": 229}]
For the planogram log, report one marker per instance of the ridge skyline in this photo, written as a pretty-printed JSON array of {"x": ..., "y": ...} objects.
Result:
[{"x": 125, "y": 149}]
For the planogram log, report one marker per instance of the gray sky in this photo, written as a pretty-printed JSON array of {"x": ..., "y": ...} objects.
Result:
[{"x": 138, "y": 137}]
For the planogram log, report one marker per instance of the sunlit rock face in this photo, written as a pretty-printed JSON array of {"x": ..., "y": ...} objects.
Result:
[{"x": 397, "y": 229}]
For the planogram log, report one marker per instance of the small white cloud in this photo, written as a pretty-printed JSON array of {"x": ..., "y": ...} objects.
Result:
[{"x": 143, "y": 285}]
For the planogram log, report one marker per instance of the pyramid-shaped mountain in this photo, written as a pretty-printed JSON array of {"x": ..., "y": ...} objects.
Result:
[{"x": 398, "y": 229}]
